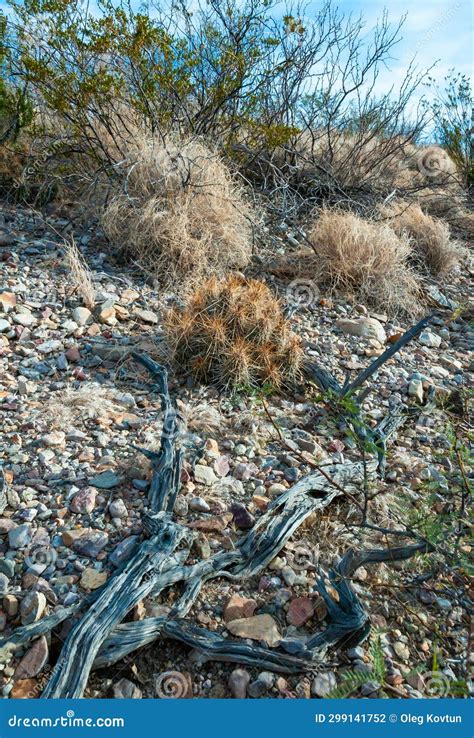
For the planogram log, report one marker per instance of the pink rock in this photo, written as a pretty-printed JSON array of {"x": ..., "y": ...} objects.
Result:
[
  {"x": 301, "y": 609},
  {"x": 221, "y": 466},
  {"x": 6, "y": 524},
  {"x": 33, "y": 660},
  {"x": 239, "y": 607},
  {"x": 72, "y": 354},
  {"x": 79, "y": 373},
  {"x": 84, "y": 500}
]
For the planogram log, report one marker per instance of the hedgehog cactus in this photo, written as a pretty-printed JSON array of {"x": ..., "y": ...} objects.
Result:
[{"x": 233, "y": 332}]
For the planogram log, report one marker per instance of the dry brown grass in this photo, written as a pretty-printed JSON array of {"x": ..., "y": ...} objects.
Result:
[
  {"x": 233, "y": 332},
  {"x": 433, "y": 249},
  {"x": 79, "y": 273},
  {"x": 74, "y": 407},
  {"x": 363, "y": 258},
  {"x": 179, "y": 213}
]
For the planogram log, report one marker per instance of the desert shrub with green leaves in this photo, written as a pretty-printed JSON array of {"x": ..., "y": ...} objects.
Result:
[
  {"x": 235, "y": 72},
  {"x": 232, "y": 332},
  {"x": 16, "y": 109},
  {"x": 452, "y": 113}
]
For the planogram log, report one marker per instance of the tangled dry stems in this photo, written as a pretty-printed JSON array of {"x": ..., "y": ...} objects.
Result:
[
  {"x": 433, "y": 250},
  {"x": 233, "y": 333},
  {"x": 90, "y": 401},
  {"x": 363, "y": 258},
  {"x": 179, "y": 212},
  {"x": 79, "y": 273}
]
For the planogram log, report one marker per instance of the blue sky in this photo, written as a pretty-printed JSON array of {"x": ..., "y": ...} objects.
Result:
[{"x": 435, "y": 31}]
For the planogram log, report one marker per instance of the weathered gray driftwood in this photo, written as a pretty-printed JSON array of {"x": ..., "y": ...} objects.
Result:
[
  {"x": 351, "y": 413},
  {"x": 349, "y": 624},
  {"x": 135, "y": 581},
  {"x": 99, "y": 637}
]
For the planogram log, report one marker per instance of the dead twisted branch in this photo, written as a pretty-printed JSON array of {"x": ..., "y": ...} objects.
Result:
[{"x": 99, "y": 637}]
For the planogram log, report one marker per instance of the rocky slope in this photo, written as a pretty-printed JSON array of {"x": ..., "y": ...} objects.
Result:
[{"x": 72, "y": 406}]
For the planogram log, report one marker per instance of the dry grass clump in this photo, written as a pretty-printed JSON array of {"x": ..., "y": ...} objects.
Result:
[
  {"x": 179, "y": 212},
  {"x": 233, "y": 332},
  {"x": 433, "y": 249},
  {"x": 79, "y": 273},
  {"x": 90, "y": 402},
  {"x": 364, "y": 258}
]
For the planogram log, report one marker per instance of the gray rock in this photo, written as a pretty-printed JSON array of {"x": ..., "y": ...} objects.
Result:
[
  {"x": 415, "y": 389},
  {"x": 147, "y": 316},
  {"x": 364, "y": 328},
  {"x": 25, "y": 319},
  {"x": 33, "y": 660},
  {"x": 81, "y": 315},
  {"x": 55, "y": 438},
  {"x": 83, "y": 501},
  {"x": 262, "y": 684},
  {"x": 204, "y": 474},
  {"x": 288, "y": 575},
  {"x": 238, "y": 682},
  {"x": 91, "y": 543},
  {"x": 48, "y": 347},
  {"x": 323, "y": 684},
  {"x": 198, "y": 504},
  {"x": 402, "y": 650},
  {"x": 123, "y": 550},
  {"x": 106, "y": 480},
  {"x": 243, "y": 471},
  {"x": 242, "y": 517},
  {"x": 355, "y": 653},
  {"x": 117, "y": 509},
  {"x": 369, "y": 688},
  {"x": 126, "y": 690},
  {"x": 181, "y": 506},
  {"x": 427, "y": 338},
  {"x": 7, "y": 567},
  {"x": 4, "y": 584},
  {"x": 32, "y": 607},
  {"x": 20, "y": 536},
  {"x": 292, "y": 645},
  {"x": 443, "y": 603}
]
